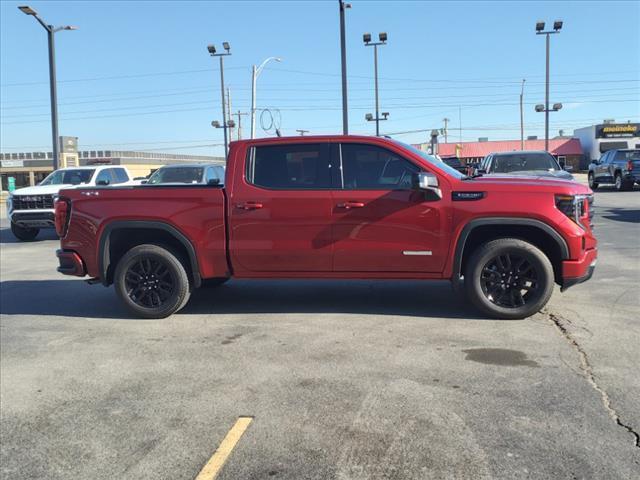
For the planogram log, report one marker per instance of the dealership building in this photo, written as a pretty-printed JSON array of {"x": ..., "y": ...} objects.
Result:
[
  {"x": 597, "y": 139},
  {"x": 30, "y": 168}
]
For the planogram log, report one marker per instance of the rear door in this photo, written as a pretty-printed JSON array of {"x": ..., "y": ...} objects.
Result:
[
  {"x": 380, "y": 224},
  {"x": 280, "y": 210}
]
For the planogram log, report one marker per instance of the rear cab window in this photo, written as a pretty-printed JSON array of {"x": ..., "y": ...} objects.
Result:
[{"x": 304, "y": 166}]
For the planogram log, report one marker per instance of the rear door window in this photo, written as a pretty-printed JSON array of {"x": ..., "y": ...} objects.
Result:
[{"x": 290, "y": 167}]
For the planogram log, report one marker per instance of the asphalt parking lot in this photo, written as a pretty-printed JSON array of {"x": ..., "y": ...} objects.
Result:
[{"x": 344, "y": 380}]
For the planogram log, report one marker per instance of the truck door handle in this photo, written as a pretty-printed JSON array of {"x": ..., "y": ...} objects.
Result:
[
  {"x": 249, "y": 206},
  {"x": 348, "y": 205}
]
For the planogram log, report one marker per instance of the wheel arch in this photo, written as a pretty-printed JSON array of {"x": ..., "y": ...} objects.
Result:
[
  {"x": 111, "y": 246},
  {"x": 481, "y": 230}
]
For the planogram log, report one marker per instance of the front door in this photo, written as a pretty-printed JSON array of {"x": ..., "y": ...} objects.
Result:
[
  {"x": 380, "y": 224},
  {"x": 280, "y": 210}
]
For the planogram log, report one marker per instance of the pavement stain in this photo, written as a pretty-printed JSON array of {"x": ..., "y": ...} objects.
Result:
[
  {"x": 231, "y": 339},
  {"x": 499, "y": 356}
]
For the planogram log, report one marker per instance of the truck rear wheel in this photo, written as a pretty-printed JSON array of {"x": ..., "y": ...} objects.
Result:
[
  {"x": 509, "y": 278},
  {"x": 593, "y": 185},
  {"x": 151, "y": 281},
  {"x": 24, "y": 234}
]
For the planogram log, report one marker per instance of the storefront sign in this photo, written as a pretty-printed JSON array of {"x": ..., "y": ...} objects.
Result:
[
  {"x": 11, "y": 163},
  {"x": 618, "y": 130}
]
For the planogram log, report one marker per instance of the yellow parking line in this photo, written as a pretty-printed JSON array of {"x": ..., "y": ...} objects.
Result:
[{"x": 217, "y": 460}]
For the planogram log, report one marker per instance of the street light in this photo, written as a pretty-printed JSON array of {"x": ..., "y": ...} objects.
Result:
[
  {"x": 51, "y": 30},
  {"x": 254, "y": 78},
  {"x": 382, "y": 40},
  {"x": 212, "y": 51},
  {"x": 557, "y": 26}
]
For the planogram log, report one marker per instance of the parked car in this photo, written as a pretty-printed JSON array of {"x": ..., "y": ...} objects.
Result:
[
  {"x": 537, "y": 163},
  {"x": 457, "y": 164},
  {"x": 31, "y": 208},
  {"x": 618, "y": 167},
  {"x": 343, "y": 207},
  {"x": 192, "y": 173}
]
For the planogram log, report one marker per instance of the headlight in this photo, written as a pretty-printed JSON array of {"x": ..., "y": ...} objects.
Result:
[{"x": 578, "y": 208}]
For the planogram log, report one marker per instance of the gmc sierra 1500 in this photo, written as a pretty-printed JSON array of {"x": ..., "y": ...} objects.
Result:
[{"x": 346, "y": 207}]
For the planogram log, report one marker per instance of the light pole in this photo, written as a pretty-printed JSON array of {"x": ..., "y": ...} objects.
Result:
[
  {"x": 522, "y": 116},
  {"x": 557, "y": 26},
  {"x": 254, "y": 77},
  {"x": 51, "y": 30},
  {"x": 228, "y": 125},
  {"x": 212, "y": 51},
  {"x": 382, "y": 37},
  {"x": 343, "y": 61}
]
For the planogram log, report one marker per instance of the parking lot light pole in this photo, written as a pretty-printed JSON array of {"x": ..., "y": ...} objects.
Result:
[
  {"x": 557, "y": 26},
  {"x": 343, "y": 62},
  {"x": 368, "y": 43},
  {"x": 212, "y": 51},
  {"x": 254, "y": 78},
  {"x": 51, "y": 30}
]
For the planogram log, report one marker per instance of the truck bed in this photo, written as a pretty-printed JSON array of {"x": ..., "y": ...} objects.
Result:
[{"x": 196, "y": 212}]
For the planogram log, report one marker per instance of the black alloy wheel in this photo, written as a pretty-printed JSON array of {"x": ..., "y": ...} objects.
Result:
[
  {"x": 509, "y": 280},
  {"x": 149, "y": 282},
  {"x": 152, "y": 281}
]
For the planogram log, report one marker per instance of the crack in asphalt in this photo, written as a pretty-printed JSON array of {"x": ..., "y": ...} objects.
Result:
[{"x": 587, "y": 369}]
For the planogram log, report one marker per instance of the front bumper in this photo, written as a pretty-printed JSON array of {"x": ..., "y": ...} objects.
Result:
[
  {"x": 70, "y": 263},
  {"x": 579, "y": 271},
  {"x": 33, "y": 219}
]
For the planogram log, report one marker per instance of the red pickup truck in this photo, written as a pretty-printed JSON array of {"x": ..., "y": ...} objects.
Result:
[{"x": 335, "y": 207}]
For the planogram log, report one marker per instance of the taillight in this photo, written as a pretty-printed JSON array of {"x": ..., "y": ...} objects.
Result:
[{"x": 63, "y": 212}]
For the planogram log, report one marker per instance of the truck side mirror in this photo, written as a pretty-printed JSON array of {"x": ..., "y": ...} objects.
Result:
[
  {"x": 427, "y": 182},
  {"x": 102, "y": 182},
  {"x": 213, "y": 181}
]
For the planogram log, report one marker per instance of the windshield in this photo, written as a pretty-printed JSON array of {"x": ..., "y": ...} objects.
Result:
[
  {"x": 452, "y": 162},
  {"x": 69, "y": 177},
  {"x": 628, "y": 155},
  {"x": 177, "y": 175},
  {"x": 433, "y": 161},
  {"x": 519, "y": 162}
]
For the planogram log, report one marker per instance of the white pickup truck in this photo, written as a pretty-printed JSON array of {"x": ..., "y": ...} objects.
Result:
[{"x": 31, "y": 209}]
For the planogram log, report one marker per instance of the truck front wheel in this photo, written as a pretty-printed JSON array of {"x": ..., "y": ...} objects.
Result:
[
  {"x": 151, "y": 281},
  {"x": 24, "y": 234},
  {"x": 509, "y": 278}
]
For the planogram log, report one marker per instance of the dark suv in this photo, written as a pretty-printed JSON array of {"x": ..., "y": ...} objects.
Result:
[{"x": 618, "y": 167}]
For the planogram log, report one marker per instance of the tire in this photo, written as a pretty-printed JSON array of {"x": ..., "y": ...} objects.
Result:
[
  {"x": 593, "y": 185},
  {"x": 499, "y": 261},
  {"x": 24, "y": 234},
  {"x": 152, "y": 282},
  {"x": 620, "y": 184},
  {"x": 214, "y": 282}
]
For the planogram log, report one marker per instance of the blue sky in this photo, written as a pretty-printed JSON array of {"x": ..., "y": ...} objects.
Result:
[{"x": 136, "y": 75}]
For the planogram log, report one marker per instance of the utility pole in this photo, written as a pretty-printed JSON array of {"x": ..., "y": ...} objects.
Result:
[
  {"x": 522, "y": 116},
  {"x": 343, "y": 57},
  {"x": 51, "y": 30},
  {"x": 225, "y": 123},
  {"x": 302, "y": 132},
  {"x": 239, "y": 115},
  {"x": 460, "y": 120},
  {"x": 446, "y": 130},
  {"x": 229, "y": 113}
]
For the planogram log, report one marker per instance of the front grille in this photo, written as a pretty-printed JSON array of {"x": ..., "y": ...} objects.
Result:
[{"x": 32, "y": 202}]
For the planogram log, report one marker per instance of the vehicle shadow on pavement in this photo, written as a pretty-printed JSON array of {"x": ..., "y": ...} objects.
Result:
[
  {"x": 379, "y": 297},
  {"x": 7, "y": 237},
  {"x": 622, "y": 215},
  {"x": 75, "y": 298}
]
